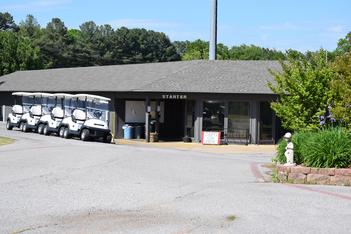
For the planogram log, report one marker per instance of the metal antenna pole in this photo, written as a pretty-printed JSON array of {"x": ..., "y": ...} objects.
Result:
[{"x": 213, "y": 40}]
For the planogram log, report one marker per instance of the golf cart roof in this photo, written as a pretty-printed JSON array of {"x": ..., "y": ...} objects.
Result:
[
  {"x": 41, "y": 94},
  {"x": 47, "y": 95},
  {"x": 22, "y": 94},
  {"x": 91, "y": 97},
  {"x": 64, "y": 95}
]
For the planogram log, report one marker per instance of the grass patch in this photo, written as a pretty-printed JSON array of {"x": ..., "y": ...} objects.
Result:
[
  {"x": 231, "y": 218},
  {"x": 274, "y": 173},
  {"x": 269, "y": 165},
  {"x": 5, "y": 140}
]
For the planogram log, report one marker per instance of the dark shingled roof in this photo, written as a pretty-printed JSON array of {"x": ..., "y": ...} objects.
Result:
[{"x": 186, "y": 76}]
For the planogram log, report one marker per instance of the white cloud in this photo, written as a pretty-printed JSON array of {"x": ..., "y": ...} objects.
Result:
[
  {"x": 36, "y": 5},
  {"x": 337, "y": 29}
]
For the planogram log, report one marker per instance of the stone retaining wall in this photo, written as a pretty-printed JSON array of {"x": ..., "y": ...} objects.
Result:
[{"x": 311, "y": 175}]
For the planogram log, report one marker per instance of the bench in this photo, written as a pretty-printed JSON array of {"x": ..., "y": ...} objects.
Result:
[{"x": 237, "y": 136}]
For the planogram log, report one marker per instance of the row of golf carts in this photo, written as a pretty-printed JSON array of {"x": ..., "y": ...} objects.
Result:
[{"x": 67, "y": 115}]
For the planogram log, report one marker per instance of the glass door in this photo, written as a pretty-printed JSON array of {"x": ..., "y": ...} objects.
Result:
[
  {"x": 266, "y": 124},
  {"x": 213, "y": 116},
  {"x": 238, "y": 122}
]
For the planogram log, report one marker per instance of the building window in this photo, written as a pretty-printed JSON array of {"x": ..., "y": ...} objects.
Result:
[{"x": 213, "y": 116}]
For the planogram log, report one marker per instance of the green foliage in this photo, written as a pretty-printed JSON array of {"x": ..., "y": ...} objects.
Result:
[
  {"x": 7, "y": 23},
  {"x": 141, "y": 45},
  {"x": 341, "y": 89},
  {"x": 344, "y": 45},
  {"x": 198, "y": 50},
  {"x": 327, "y": 148},
  {"x": 180, "y": 47},
  {"x": 280, "y": 151},
  {"x": 299, "y": 139},
  {"x": 17, "y": 53},
  {"x": 53, "y": 45},
  {"x": 57, "y": 46},
  {"x": 251, "y": 52},
  {"x": 304, "y": 92},
  {"x": 30, "y": 27}
]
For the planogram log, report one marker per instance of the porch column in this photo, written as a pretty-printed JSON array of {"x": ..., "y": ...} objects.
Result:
[
  {"x": 253, "y": 122},
  {"x": 198, "y": 121},
  {"x": 157, "y": 117},
  {"x": 147, "y": 119}
]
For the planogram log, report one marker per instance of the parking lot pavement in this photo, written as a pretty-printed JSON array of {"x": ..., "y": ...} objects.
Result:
[{"x": 54, "y": 185}]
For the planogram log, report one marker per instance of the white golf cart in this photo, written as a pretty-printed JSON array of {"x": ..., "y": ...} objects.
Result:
[
  {"x": 53, "y": 113},
  {"x": 33, "y": 103},
  {"x": 89, "y": 118},
  {"x": 14, "y": 118}
]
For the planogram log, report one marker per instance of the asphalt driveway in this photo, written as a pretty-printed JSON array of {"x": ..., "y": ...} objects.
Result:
[{"x": 54, "y": 185}]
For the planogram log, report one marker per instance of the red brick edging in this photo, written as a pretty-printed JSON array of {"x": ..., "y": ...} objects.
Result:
[{"x": 311, "y": 175}]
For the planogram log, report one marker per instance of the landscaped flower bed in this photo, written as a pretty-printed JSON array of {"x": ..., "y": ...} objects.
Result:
[{"x": 322, "y": 156}]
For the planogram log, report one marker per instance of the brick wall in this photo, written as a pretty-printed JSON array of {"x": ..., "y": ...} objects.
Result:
[{"x": 311, "y": 175}]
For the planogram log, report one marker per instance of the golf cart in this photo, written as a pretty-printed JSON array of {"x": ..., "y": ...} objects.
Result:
[
  {"x": 32, "y": 103},
  {"x": 89, "y": 118},
  {"x": 53, "y": 113},
  {"x": 14, "y": 118}
]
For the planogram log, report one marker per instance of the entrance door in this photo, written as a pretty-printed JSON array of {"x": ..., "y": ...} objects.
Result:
[
  {"x": 266, "y": 124},
  {"x": 213, "y": 116},
  {"x": 173, "y": 126}
]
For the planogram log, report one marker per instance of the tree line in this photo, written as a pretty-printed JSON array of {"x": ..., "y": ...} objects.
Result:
[{"x": 27, "y": 46}]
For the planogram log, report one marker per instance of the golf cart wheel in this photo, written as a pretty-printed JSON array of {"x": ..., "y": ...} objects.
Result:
[
  {"x": 25, "y": 127},
  {"x": 61, "y": 131},
  {"x": 46, "y": 130},
  {"x": 8, "y": 125},
  {"x": 84, "y": 135},
  {"x": 66, "y": 134},
  {"x": 108, "y": 138},
  {"x": 40, "y": 128}
]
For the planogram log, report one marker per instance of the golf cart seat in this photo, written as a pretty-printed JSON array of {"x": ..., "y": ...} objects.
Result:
[
  {"x": 57, "y": 112},
  {"x": 17, "y": 109},
  {"x": 79, "y": 115},
  {"x": 36, "y": 110}
]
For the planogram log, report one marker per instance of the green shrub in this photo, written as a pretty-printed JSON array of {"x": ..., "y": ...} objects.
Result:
[
  {"x": 300, "y": 140},
  {"x": 280, "y": 151},
  {"x": 326, "y": 148}
]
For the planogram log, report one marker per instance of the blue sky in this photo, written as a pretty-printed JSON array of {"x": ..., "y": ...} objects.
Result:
[{"x": 281, "y": 24}]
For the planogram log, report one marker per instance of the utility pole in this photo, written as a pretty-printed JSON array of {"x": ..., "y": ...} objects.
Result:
[{"x": 213, "y": 39}]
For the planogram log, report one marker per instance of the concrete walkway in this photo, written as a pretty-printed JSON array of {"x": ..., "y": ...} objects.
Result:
[{"x": 216, "y": 149}]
